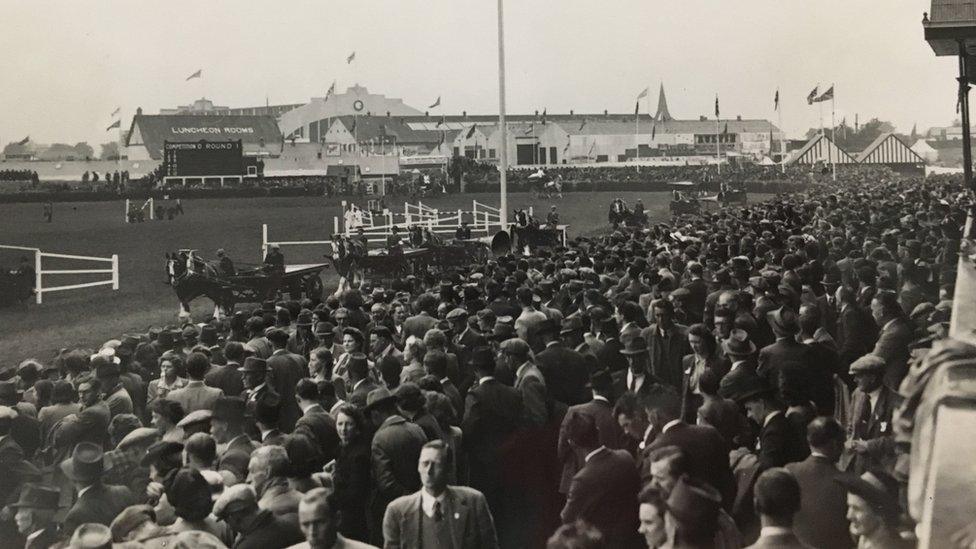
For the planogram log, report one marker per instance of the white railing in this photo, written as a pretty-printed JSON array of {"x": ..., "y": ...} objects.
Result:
[
  {"x": 265, "y": 242},
  {"x": 40, "y": 273},
  {"x": 150, "y": 203}
]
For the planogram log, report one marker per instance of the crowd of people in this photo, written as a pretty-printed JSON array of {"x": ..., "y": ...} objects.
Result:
[
  {"x": 18, "y": 176},
  {"x": 729, "y": 380}
]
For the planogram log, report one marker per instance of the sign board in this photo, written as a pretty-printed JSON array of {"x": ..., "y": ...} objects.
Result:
[
  {"x": 203, "y": 158},
  {"x": 332, "y": 149}
]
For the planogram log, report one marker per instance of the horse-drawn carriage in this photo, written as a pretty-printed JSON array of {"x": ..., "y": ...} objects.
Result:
[
  {"x": 685, "y": 198},
  {"x": 729, "y": 195},
  {"x": 382, "y": 265},
  {"x": 193, "y": 276}
]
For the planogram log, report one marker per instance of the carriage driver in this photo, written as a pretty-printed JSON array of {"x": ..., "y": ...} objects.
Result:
[
  {"x": 225, "y": 266},
  {"x": 275, "y": 260},
  {"x": 552, "y": 218},
  {"x": 393, "y": 243}
]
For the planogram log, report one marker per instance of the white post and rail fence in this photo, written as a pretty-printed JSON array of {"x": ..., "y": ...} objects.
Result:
[{"x": 39, "y": 273}]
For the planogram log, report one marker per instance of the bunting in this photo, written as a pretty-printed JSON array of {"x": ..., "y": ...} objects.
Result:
[
  {"x": 436, "y": 103},
  {"x": 197, "y": 74},
  {"x": 351, "y": 57},
  {"x": 116, "y": 124}
]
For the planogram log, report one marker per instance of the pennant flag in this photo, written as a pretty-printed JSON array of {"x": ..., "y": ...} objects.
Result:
[
  {"x": 716, "y": 105},
  {"x": 470, "y": 132},
  {"x": 116, "y": 111},
  {"x": 593, "y": 146},
  {"x": 436, "y": 103},
  {"x": 725, "y": 131},
  {"x": 826, "y": 96},
  {"x": 330, "y": 91},
  {"x": 353, "y": 128},
  {"x": 116, "y": 124},
  {"x": 776, "y": 100},
  {"x": 195, "y": 75},
  {"x": 914, "y": 131},
  {"x": 440, "y": 122},
  {"x": 530, "y": 130},
  {"x": 24, "y": 141},
  {"x": 351, "y": 57},
  {"x": 653, "y": 131},
  {"x": 566, "y": 148},
  {"x": 812, "y": 95},
  {"x": 543, "y": 116},
  {"x": 643, "y": 94},
  {"x": 582, "y": 124},
  {"x": 637, "y": 108}
]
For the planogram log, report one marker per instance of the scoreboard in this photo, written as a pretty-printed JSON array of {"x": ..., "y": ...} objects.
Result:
[{"x": 203, "y": 158}]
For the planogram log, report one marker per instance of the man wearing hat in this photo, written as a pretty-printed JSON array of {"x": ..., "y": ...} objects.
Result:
[
  {"x": 285, "y": 370},
  {"x": 637, "y": 377},
  {"x": 196, "y": 395},
  {"x": 225, "y": 266},
  {"x": 492, "y": 412},
  {"x": 360, "y": 382},
  {"x": 226, "y": 377},
  {"x": 108, "y": 373},
  {"x": 24, "y": 428},
  {"x": 786, "y": 360},
  {"x": 740, "y": 351},
  {"x": 256, "y": 528},
  {"x": 608, "y": 430},
  {"x": 256, "y": 340},
  {"x": 529, "y": 381},
  {"x": 34, "y": 515},
  {"x": 137, "y": 523},
  {"x": 564, "y": 369},
  {"x": 779, "y": 442},
  {"x": 96, "y": 502},
  {"x": 872, "y": 508},
  {"x": 870, "y": 442},
  {"x": 693, "y": 508},
  {"x": 604, "y": 491},
  {"x": 394, "y": 453},
  {"x": 667, "y": 344},
  {"x": 227, "y": 428}
]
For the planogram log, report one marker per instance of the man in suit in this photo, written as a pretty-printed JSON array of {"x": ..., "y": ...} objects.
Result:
[
  {"x": 856, "y": 330},
  {"x": 386, "y": 356},
  {"x": 316, "y": 421},
  {"x": 360, "y": 384},
  {"x": 707, "y": 451},
  {"x": 418, "y": 324},
  {"x": 257, "y": 341},
  {"x": 256, "y": 528},
  {"x": 778, "y": 443},
  {"x": 870, "y": 436},
  {"x": 438, "y": 515},
  {"x": 608, "y": 430},
  {"x": 777, "y": 499},
  {"x": 529, "y": 382},
  {"x": 267, "y": 472},
  {"x": 697, "y": 290},
  {"x": 196, "y": 395},
  {"x": 824, "y": 360},
  {"x": 630, "y": 318},
  {"x": 822, "y": 518},
  {"x": 34, "y": 515},
  {"x": 227, "y": 378},
  {"x": 227, "y": 428},
  {"x": 637, "y": 377},
  {"x": 604, "y": 491},
  {"x": 894, "y": 338},
  {"x": 667, "y": 344},
  {"x": 564, "y": 369},
  {"x": 96, "y": 502},
  {"x": 24, "y": 428},
  {"x": 786, "y": 364},
  {"x": 395, "y": 450},
  {"x": 491, "y": 416},
  {"x": 740, "y": 350},
  {"x": 284, "y": 371}
]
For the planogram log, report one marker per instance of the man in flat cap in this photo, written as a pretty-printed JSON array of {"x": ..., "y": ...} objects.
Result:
[
  {"x": 256, "y": 528},
  {"x": 870, "y": 436}
]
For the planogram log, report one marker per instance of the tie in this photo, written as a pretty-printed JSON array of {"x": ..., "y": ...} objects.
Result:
[
  {"x": 438, "y": 513},
  {"x": 633, "y": 384}
]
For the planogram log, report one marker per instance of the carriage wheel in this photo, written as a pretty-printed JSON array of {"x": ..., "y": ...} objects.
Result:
[{"x": 313, "y": 287}]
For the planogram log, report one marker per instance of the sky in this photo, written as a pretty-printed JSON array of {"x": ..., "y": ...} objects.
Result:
[{"x": 67, "y": 65}]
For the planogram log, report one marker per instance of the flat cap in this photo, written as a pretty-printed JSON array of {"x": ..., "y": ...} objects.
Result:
[
  {"x": 234, "y": 498},
  {"x": 515, "y": 346},
  {"x": 867, "y": 363},
  {"x": 457, "y": 313},
  {"x": 195, "y": 417}
]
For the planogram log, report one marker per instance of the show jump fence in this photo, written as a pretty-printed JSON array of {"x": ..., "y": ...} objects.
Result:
[
  {"x": 40, "y": 289},
  {"x": 265, "y": 241},
  {"x": 150, "y": 203},
  {"x": 483, "y": 220}
]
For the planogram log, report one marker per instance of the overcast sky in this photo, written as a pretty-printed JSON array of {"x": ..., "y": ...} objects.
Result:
[{"x": 67, "y": 65}]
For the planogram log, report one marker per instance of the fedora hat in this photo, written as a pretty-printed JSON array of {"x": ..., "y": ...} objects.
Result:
[
  {"x": 325, "y": 329},
  {"x": 35, "y": 496},
  {"x": 9, "y": 393},
  {"x": 783, "y": 320},
  {"x": 750, "y": 388},
  {"x": 229, "y": 409},
  {"x": 254, "y": 364},
  {"x": 634, "y": 346},
  {"x": 738, "y": 344},
  {"x": 877, "y": 488},
  {"x": 600, "y": 380},
  {"x": 86, "y": 464},
  {"x": 377, "y": 397},
  {"x": 694, "y": 504},
  {"x": 91, "y": 535},
  {"x": 304, "y": 318},
  {"x": 571, "y": 324}
]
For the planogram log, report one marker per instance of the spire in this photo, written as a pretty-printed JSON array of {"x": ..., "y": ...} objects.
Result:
[{"x": 662, "y": 114}]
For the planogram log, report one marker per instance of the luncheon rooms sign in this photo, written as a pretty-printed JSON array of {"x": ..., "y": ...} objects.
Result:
[{"x": 212, "y": 130}]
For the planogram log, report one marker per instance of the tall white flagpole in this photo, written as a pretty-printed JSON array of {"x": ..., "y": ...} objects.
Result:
[
  {"x": 782, "y": 141},
  {"x": 832, "y": 129},
  {"x": 503, "y": 156}
]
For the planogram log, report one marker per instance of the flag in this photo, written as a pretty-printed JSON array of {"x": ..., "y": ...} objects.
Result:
[
  {"x": 826, "y": 96},
  {"x": 776, "y": 100},
  {"x": 350, "y": 58},
  {"x": 330, "y": 91},
  {"x": 195, "y": 75},
  {"x": 593, "y": 146},
  {"x": 725, "y": 131},
  {"x": 116, "y": 111},
  {"x": 637, "y": 108},
  {"x": 353, "y": 128},
  {"x": 530, "y": 130},
  {"x": 566, "y": 148},
  {"x": 24, "y": 141},
  {"x": 440, "y": 122},
  {"x": 653, "y": 131},
  {"x": 436, "y": 103},
  {"x": 116, "y": 124},
  {"x": 470, "y": 132},
  {"x": 914, "y": 135},
  {"x": 812, "y": 95},
  {"x": 543, "y": 116},
  {"x": 716, "y": 105},
  {"x": 583, "y": 123},
  {"x": 643, "y": 94}
]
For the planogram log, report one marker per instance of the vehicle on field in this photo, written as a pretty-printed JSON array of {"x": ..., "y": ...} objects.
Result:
[{"x": 685, "y": 198}]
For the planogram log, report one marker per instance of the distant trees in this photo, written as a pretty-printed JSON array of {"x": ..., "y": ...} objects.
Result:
[
  {"x": 856, "y": 140},
  {"x": 110, "y": 151}
]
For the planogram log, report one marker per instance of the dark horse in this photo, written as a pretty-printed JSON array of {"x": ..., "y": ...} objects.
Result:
[{"x": 200, "y": 280}]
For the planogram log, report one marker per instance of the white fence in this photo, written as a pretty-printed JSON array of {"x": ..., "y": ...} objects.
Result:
[
  {"x": 483, "y": 220},
  {"x": 40, "y": 273},
  {"x": 265, "y": 242}
]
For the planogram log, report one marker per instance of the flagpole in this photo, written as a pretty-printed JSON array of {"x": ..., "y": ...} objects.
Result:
[
  {"x": 782, "y": 141},
  {"x": 832, "y": 130},
  {"x": 503, "y": 157},
  {"x": 718, "y": 146},
  {"x": 637, "y": 132}
]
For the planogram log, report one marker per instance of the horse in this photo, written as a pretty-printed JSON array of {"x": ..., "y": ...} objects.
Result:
[
  {"x": 190, "y": 284},
  {"x": 550, "y": 188}
]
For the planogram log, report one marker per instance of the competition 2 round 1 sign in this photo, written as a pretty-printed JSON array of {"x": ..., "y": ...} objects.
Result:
[{"x": 358, "y": 105}]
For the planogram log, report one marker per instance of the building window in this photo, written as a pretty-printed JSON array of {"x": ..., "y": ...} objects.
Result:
[{"x": 491, "y": 153}]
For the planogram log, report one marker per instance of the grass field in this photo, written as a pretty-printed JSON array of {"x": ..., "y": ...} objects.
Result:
[{"x": 94, "y": 315}]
